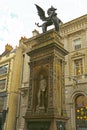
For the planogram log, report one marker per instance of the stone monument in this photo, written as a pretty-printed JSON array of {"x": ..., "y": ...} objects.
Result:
[{"x": 46, "y": 101}]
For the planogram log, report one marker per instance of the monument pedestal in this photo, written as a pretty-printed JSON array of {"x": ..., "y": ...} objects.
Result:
[{"x": 46, "y": 101}]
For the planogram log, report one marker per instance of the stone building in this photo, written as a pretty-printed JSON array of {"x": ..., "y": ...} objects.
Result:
[
  {"x": 75, "y": 41},
  {"x": 10, "y": 74}
]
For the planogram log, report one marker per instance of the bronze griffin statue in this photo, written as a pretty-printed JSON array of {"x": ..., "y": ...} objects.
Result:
[{"x": 50, "y": 20}]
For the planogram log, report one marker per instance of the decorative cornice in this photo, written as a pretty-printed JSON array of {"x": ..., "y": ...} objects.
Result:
[
  {"x": 4, "y": 59},
  {"x": 75, "y": 25},
  {"x": 77, "y": 54},
  {"x": 44, "y": 38}
]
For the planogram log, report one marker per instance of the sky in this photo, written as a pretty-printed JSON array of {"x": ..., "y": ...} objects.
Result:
[{"x": 18, "y": 17}]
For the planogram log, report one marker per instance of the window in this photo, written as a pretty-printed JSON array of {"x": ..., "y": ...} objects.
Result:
[
  {"x": 78, "y": 66},
  {"x": 77, "y": 44},
  {"x": 1, "y": 103},
  {"x": 2, "y": 84},
  {"x": 81, "y": 112},
  {"x": 3, "y": 69}
]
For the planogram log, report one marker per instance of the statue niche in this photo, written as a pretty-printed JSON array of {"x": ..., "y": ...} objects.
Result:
[
  {"x": 41, "y": 91},
  {"x": 52, "y": 18}
]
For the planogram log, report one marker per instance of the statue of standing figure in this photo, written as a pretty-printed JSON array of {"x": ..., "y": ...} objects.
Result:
[
  {"x": 51, "y": 19},
  {"x": 42, "y": 91}
]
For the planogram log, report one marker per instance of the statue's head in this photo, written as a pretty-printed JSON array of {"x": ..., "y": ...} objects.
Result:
[{"x": 51, "y": 10}]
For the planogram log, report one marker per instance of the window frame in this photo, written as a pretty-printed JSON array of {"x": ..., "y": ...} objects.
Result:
[
  {"x": 4, "y": 89},
  {"x": 78, "y": 67},
  {"x": 77, "y": 45},
  {"x": 2, "y": 66}
]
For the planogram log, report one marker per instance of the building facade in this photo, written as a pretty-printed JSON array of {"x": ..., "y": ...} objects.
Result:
[
  {"x": 75, "y": 41},
  {"x": 74, "y": 37},
  {"x": 10, "y": 74}
]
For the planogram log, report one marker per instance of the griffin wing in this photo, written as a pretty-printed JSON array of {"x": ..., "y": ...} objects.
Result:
[{"x": 41, "y": 13}]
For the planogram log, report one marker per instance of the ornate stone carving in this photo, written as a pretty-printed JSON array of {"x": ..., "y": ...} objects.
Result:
[
  {"x": 74, "y": 26},
  {"x": 77, "y": 54}
]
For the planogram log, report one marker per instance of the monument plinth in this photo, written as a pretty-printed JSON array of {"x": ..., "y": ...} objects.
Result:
[{"x": 46, "y": 102}]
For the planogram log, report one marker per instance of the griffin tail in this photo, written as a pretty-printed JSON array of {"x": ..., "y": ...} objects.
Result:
[{"x": 38, "y": 25}]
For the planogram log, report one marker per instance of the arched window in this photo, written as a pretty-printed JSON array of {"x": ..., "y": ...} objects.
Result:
[{"x": 81, "y": 112}]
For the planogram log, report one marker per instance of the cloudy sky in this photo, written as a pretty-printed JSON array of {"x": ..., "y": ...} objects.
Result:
[{"x": 18, "y": 17}]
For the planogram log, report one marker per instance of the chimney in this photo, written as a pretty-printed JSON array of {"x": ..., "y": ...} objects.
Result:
[
  {"x": 8, "y": 47},
  {"x": 23, "y": 38},
  {"x": 35, "y": 32}
]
